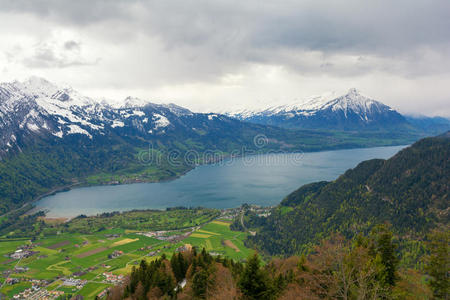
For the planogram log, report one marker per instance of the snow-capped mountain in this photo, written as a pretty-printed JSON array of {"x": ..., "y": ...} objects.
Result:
[
  {"x": 329, "y": 111},
  {"x": 37, "y": 107}
]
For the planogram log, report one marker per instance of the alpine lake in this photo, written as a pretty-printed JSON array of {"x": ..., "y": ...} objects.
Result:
[{"x": 261, "y": 180}]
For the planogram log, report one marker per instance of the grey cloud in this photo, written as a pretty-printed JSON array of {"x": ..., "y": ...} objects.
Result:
[
  {"x": 147, "y": 44},
  {"x": 318, "y": 25},
  {"x": 216, "y": 33},
  {"x": 52, "y": 56},
  {"x": 80, "y": 12},
  {"x": 72, "y": 45}
]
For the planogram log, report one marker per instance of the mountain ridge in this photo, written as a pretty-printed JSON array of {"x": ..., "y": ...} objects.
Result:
[
  {"x": 351, "y": 111},
  {"x": 39, "y": 107}
]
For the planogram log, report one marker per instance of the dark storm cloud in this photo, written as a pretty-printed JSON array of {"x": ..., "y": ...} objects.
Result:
[
  {"x": 318, "y": 25},
  {"x": 235, "y": 32}
]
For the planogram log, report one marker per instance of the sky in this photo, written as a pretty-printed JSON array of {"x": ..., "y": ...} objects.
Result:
[{"x": 221, "y": 55}]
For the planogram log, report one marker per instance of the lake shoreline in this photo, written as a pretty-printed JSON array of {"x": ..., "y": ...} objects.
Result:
[{"x": 78, "y": 185}]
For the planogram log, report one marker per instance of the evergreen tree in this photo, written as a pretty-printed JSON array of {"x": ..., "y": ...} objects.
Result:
[
  {"x": 385, "y": 250},
  {"x": 254, "y": 282},
  {"x": 200, "y": 284},
  {"x": 438, "y": 263}
]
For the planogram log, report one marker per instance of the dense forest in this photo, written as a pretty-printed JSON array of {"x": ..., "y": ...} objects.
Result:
[
  {"x": 410, "y": 191},
  {"x": 365, "y": 267}
]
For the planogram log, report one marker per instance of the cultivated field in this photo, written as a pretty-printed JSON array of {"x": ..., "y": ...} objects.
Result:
[{"x": 88, "y": 256}]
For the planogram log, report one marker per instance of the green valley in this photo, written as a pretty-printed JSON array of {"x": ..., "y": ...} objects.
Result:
[{"x": 90, "y": 254}]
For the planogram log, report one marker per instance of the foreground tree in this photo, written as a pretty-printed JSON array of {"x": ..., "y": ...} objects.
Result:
[
  {"x": 339, "y": 270},
  {"x": 384, "y": 249},
  {"x": 438, "y": 263},
  {"x": 254, "y": 282}
]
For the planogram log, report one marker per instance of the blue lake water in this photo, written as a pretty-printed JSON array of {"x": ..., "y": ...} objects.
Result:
[{"x": 263, "y": 180}]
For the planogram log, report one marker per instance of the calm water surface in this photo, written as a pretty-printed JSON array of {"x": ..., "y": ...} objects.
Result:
[{"x": 263, "y": 180}]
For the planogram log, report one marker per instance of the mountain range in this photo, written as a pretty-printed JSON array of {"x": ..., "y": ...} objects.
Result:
[
  {"x": 352, "y": 111},
  {"x": 37, "y": 107}
]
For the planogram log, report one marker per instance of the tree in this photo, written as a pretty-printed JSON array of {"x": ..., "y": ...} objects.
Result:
[
  {"x": 384, "y": 249},
  {"x": 438, "y": 264},
  {"x": 254, "y": 282},
  {"x": 139, "y": 294},
  {"x": 338, "y": 270},
  {"x": 200, "y": 284}
]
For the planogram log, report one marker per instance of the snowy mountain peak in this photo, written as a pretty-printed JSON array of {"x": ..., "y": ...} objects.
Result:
[
  {"x": 36, "y": 86},
  {"x": 353, "y": 91},
  {"x": 355, "y": 96},
  {"x": 351, "y": 110},
  {"x": 132, "y": 102}
]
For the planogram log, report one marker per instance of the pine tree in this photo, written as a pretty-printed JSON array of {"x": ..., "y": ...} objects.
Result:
[
  {"x": 438, "y": 263},
  {"x": 385, "y": 249},
  {"x": 175, "y": 264},
  {"x": 200, "y": 284},
  {"x": 254, "y": 282}
]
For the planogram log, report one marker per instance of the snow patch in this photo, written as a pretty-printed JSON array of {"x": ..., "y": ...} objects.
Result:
[
  {"x": 138, "y": 113},
  {"x": 58, "y": 134},
  {"x": 117, "y": 124},
  {"x": 160, "y": 121},
  {"x": 75, "y": 129},
  {"x": 32, "y": 127}
]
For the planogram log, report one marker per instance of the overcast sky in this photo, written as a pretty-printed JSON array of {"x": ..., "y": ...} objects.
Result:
[{"x": 214, "y": 55}]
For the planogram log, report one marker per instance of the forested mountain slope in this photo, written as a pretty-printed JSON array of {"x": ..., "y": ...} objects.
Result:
[{"x": 410, "y": 190}]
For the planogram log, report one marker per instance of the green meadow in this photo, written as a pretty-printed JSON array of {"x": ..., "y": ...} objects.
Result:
[{"x": 86, "y": 255}]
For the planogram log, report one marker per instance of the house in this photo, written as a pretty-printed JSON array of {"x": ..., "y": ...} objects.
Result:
[
  {"x": 20, "y": 269},
  {"x": 115, "y": 254},
  {"x": 11, "y": 281},
  {"x": 186, "y": 247}
]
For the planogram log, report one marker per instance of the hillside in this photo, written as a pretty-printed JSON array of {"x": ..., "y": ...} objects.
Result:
[{"x": 409, "y": 190}]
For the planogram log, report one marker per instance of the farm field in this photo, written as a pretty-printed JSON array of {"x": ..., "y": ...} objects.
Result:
[
  {"x": 217, "y": 237},
  {"x": 80, "y": 263}
]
